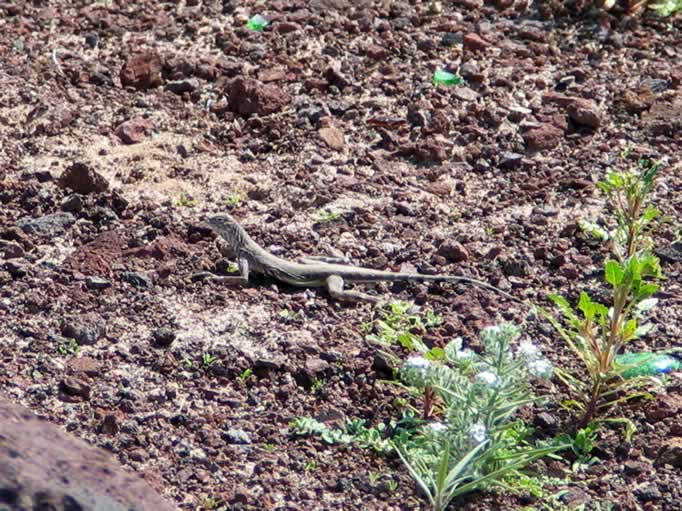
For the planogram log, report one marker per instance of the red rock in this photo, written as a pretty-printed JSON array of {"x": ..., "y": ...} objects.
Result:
[
  {"x": 38, "y": 458},
  {"x": 248, "y": 96},
  {"x": 75, "y": 387},
  {"x": 475, "y": 42},
  {"x": 453, "y": 251},
  {"x": 134, "y": 131},
  {"x": 585, "y": 112},
  {"x": 542, "y": 138},
  {"x": 85, "y": 365},
  {"x": 142, "y": 71},
  {"x": 286, "y": 27},
  {"x": 376, "y": 52},
  {"x": 81, "y": 178}
]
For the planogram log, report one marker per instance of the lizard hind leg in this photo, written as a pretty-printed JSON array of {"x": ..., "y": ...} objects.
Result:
[{"x": 336, "y": 291}]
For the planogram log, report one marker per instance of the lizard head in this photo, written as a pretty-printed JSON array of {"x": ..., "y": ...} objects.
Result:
[{"x": 226, "y": 226}]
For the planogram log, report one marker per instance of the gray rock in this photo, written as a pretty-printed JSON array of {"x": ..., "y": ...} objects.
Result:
[
  {"x": 48, "y": 225},
  {"x": 236, "y": 436},
  {"x": 163, "y": 336},
  {"x": 136, "y": 279},
  {"x": 97, "y": 283},
  {"x": 86, "y": 330},
  {"x": 647, "y": 492},
  {"x": 72, "y": 203}
]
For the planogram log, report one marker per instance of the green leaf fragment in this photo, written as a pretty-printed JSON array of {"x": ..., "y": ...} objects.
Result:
[
  {"x": 441, "y": 77},
  {"x": 257, "y": 23}
]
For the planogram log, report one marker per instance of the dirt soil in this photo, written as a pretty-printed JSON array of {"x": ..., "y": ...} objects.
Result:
[{"x": 123, "y": 124}]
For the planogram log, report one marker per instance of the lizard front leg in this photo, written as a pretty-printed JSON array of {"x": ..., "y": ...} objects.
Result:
[
  {"x": 240, "y": 280},
  {"x": 334, "y": 284}
]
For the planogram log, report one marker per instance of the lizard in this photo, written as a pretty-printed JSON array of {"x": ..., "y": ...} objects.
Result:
[{"x": 317, "y": 271}]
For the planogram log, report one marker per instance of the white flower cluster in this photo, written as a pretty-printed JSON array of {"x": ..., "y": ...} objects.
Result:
[
  {"x": 415, "y": 370},
  {"x": 537, "y": 364},
  {"x": 478, "y": 433},
  {"x": 488, "y": 377}
]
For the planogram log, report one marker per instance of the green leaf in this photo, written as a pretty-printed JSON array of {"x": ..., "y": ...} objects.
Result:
[
  {"x": 564, "y": 306},
  {"x": 650, "y": 214},
  {"x": 629, "y": 329},
  {"x": 594, "y": 229},
  {"x": 614, "y": 273},
  {"x": 435, "y": 354},
  {"x": 645, "y": 290},
  {"x": 586, "y": 305}
]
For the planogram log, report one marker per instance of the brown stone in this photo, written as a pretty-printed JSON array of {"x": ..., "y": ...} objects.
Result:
[
  {"x": 585, "y": 112},
  {"x": 142, "y": 71},
  {"x": 248, "y": 96},
  {"x": 543, "y": 137},
  {"x": 134, "y": 131},
  {"x": 475, "y": 42},
  {"x": 333, "y": 137},
  {"x": 43, "y": 467},
  {"x": 83, "y": 179},
  {"x": 453, "y": 251}
]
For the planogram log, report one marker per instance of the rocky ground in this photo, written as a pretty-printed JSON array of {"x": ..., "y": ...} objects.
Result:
[{"x": 123, "y": 124}]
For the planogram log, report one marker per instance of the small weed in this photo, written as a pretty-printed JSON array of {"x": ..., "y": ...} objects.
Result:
[
  {"x": 69, "y": 347},
  {"x": 597, "y": 332},
  {"x": 208, "y": 360},
  {"x": 581, "y": 445},
  {"x": 232, "y": 267},
  {"x": 245, "y": 374},
  {"x": 185, "y": 201},
  {"x": 665, "y": 8},
  {"x": 400, "y": 323},
  {"x": 288, "y": 315},
  {"x": 318, "y": 384},
  {"x": 269, "y": 447},
  {"x": 187, "y": 362},
  {"x": 392, "y": 485},
  {"x": 325, "y": 216},
  {"x": 373, "y": 477},
  {"x": 211, "y": 503},
  {"x": 310, "y": 466},
  {"x": 234, "y": 200}
]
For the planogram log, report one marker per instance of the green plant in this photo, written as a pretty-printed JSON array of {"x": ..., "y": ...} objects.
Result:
[
  {"x": 318, "y": 384},
  {"x": 233, "y": 200},
  {"x": 208, "y": 360},
  {"x": 325, "y": 216},
  {"x": 582, "y": 444},
  {"x": 245, "y": 374},
  {"x": 187, "y": 362},
  {"x": 288, "y": 315},
  {"x": 477, "y": 444},
  {"x": 400, "y": 323},
  {"x": 69, "y": 347},
  {"x": 310, "y": 466},
  {"x": 185, "y": 201},
  {"x": 373, "y": 477},
  {"x": 666, "y": 8},
  {"x": 212, "y": 503},
  {"x": 595, "y": 332},
  {"x": 391, "y": 485},
  {"x": 269, "y": 447},
  {"x": 355, "y": 431}
]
